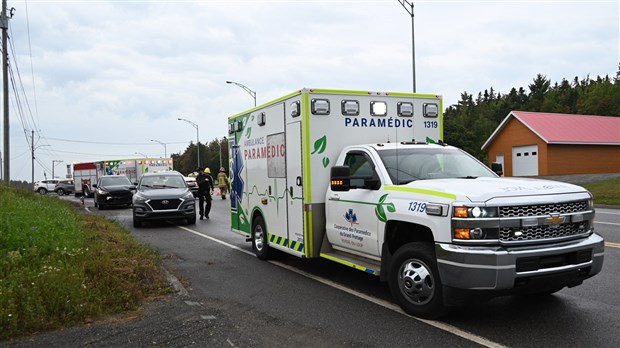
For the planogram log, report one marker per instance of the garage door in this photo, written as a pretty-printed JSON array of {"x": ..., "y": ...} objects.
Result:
[{"x": 525, "y": 160}]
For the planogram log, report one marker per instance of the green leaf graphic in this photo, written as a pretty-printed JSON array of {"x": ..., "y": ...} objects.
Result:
[
  {"x": 390, "y": 207},
  {"x": 325, "y": 162},
  {"x": 380, "y": 213},
  {"x": 248, "y": 132},
  {"x": 430, "y": 141},
  {"x": 320, "y": 145},
  {"x": 382, "y": 199}
]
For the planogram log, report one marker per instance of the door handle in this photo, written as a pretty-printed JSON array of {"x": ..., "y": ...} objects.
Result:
[{"x": 334, "y": 198}]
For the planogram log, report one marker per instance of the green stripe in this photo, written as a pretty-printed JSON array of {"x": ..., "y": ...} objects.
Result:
[
  {"x": 421, "y": 191},
  {"x": 350, "y": 264},
  {"x": 305, "y": 155}
]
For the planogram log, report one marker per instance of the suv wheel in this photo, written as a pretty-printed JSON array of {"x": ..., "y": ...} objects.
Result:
[{"x": 42, "y": 190}]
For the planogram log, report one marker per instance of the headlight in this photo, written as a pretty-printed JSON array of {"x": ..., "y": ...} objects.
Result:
[
  {"x": 101, "y": 191},
  {"x": 475, "y": 223},
  {"x": 137, "y": 198},
  {"x": 188, "y": 196},
  {"x": 466, "y": 212}
]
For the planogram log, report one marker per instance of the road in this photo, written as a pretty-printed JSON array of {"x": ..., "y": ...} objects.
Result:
[{"x": 235, "y": 300}]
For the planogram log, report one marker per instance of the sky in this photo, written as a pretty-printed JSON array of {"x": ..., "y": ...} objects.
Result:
[{"x": 100, "y": 80}]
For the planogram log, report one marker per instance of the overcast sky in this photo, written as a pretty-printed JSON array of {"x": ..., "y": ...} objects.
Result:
[{"x": 99, "y": 80}]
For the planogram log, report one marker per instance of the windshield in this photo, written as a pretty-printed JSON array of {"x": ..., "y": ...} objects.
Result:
[
  {"x": 163, "y": 181},
  {"x": 409, "y": 164},
  {"x": 115, "y": 180}
]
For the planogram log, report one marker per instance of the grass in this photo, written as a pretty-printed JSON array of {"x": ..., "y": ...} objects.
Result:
[
  {"x": 605, "y": 192},
  {"x": 60, "y": 267}
]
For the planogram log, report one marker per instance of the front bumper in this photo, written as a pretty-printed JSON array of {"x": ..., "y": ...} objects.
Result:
[
  {"x": 143, "y": 212},
  {"x": 520, "y": 269}
]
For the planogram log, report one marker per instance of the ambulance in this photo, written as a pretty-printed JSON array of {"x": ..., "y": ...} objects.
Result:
[{"x": 364, "y": 179}]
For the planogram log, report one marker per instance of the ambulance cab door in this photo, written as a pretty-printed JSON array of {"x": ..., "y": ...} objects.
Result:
[{"x": 352, "y": 223}]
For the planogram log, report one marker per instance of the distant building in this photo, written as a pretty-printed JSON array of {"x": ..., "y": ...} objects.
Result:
[{"x": 538, "y": 143}]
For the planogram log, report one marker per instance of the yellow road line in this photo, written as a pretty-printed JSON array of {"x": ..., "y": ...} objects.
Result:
[{"x": 612, "y": 245}]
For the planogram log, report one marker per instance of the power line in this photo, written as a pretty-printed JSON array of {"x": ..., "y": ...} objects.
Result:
[{"x": 108, "y": 143}]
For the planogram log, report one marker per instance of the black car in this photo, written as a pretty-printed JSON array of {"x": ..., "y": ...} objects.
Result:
[
  {"x": 163, "y": 196},
  {"x": 113, "y": 191}
]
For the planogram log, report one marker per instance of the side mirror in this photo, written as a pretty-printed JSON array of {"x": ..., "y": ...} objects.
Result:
[
  {"x": 95, "y": 185},
  {"x": 372, "y": 183},
  {"x": 339, "y": 178},
  {"x": 496, "y": 167}
]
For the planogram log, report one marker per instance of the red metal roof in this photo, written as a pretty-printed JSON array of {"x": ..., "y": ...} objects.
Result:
[{"x": 566, "y": 128}]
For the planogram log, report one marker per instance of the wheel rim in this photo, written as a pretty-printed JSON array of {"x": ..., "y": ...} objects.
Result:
[
  {"x": 259, "y": 237},
  {"x": 416, "y": 282}
]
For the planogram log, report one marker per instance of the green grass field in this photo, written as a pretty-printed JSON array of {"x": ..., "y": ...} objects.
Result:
[
  {"x": 60, "y": 267},
  {"x": 605, "y": 192}
]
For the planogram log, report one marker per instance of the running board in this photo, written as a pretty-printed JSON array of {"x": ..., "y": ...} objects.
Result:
[{"x": 364, "y": 265}]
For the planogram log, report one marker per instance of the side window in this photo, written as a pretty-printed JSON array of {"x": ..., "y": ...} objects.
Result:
[
  {"x": 361, "y": 170},
  {"x": 359, "y": 164}
]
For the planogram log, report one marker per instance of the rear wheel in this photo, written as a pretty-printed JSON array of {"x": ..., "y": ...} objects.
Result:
[
  {"x": 414, "y": 281},
  {"x": 259, "y": 239},
  {"x": 61, "y": 192},
  {"x": 85, "y": 191}
]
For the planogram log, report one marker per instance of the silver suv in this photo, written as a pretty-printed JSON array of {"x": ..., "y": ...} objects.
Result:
[
  {"x": 163, "y": 196},
  {"x": 45, "y": 186}
]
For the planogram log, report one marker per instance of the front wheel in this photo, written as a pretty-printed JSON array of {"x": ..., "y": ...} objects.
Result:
[
  {"x": 42, "y": 191},
  {"x": 259, "y": 239},
  {"x": 414, "y": 281},
  {"x": 61, "y": 192},
  {"x": 191, "y": 220},
  {"x": 136, "y": 223},
  {"x": 85, "y": 191}
]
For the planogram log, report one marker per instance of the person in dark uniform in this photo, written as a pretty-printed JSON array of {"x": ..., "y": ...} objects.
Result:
[{"x": 205, "y": 187}]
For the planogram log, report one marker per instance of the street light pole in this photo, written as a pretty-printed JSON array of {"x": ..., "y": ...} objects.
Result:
[
  {"x": 410, "y": 11},
  {"x": 141, "y": 154},
  {"x": 54, "y": 166},
  {"x": 250, "y": 92},
  {"x": 165, "y": 152},
  {"x": 197, "y": 139}
]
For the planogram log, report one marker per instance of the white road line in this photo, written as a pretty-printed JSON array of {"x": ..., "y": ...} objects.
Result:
[
  {"x": 615, "y": 212},
  {"x": 607, "y": 223},
  {"x": 437, "y": 324}
]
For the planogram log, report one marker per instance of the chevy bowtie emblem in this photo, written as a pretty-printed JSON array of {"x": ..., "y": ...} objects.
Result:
[
  {"x": 555, "y": 219},
  {"x": 165, "y": 201}
]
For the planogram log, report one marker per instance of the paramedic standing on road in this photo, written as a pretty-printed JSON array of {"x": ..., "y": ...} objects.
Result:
[
  {"x": 222, "y": 182},
  {"x": 205, "y": 186}
]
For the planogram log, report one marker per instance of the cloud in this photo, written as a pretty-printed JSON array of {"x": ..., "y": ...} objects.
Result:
[{"x": 123, "y": 72}]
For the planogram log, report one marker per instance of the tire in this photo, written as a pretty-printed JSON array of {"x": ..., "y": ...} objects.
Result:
[
  {"x": 42, "y": 191},
  {"x": 61, "y": 192},
  {"x": 85, "y": 191},
  {"x": 260, "y": 243},
  {"x": 414, "y": 281},
  {"x": 192, "y": 220},
  {"x": 136, "y": 223}
]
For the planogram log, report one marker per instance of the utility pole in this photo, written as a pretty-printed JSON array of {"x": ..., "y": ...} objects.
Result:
[
  {"x": 32, "y": 156},
  {"x": 4, "y": 24},
  {"x": 54, "y": 165}
]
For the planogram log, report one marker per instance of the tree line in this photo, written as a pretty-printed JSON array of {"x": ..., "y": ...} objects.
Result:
[
  {"x": 470, "y": 122},
  {"x": 213, "y": 155}
]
